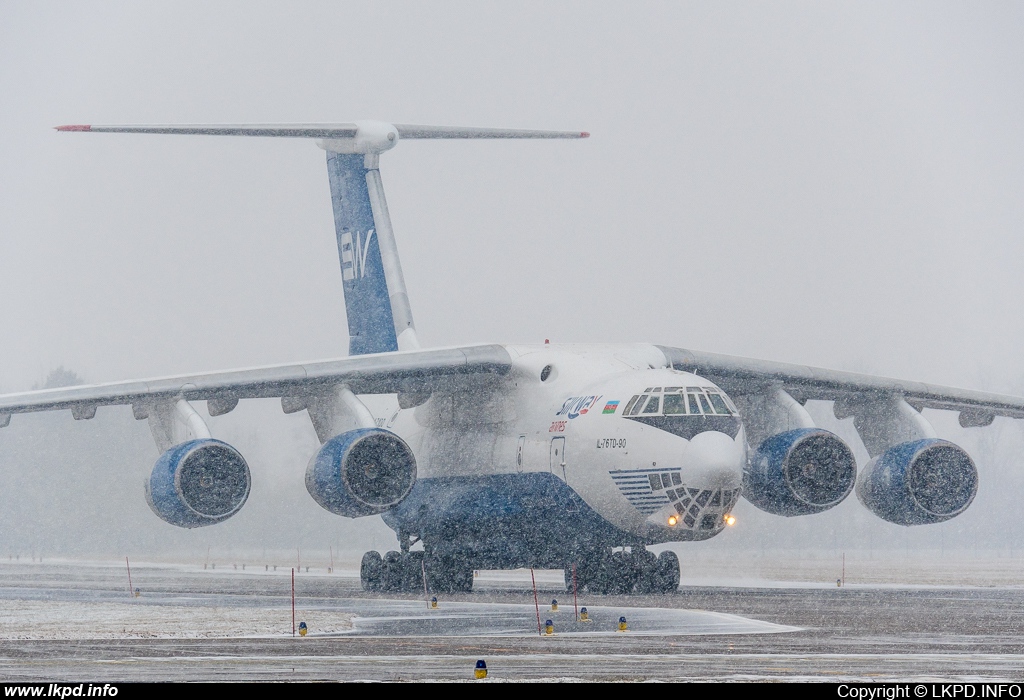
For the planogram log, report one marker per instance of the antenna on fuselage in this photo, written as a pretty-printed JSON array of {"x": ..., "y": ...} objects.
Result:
[{"x": 376, "y": 301}]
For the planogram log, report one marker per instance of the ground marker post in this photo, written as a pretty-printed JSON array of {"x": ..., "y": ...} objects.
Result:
[
  {"x": 130, "y": 589},
  {"x": 575, "y": 604},
  {"x": 536, "y": 602},
  {"x": 293, "y": 602},
  {"x": 426, "y": 595}
]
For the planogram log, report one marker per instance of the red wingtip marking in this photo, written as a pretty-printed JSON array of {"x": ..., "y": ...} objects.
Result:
[
  {"x": 584, "y": 134},
  {"x": 74, "y": 127}
]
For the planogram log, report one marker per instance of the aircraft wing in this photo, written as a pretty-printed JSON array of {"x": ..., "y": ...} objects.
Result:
[
  {"x": 742, "y": 375},
  {"x": 414, "y": 372}
]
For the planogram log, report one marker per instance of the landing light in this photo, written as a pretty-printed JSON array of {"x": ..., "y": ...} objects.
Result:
[
  {"x": 729, "y": 519},
  {"x": 672, "y": 520}
]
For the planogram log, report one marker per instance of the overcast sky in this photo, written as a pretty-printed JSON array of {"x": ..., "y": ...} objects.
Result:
[{"x": 835, "y": 184}]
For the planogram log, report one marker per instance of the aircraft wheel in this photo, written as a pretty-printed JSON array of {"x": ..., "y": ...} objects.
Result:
[
  {"x": 371, "y": 571},
  {"x": 604, "y": 574},
  {"x": 448, "y": 575},
  {"x": 615, "y": 575},
  {"x": 391, "y": 581},
  {"x": 625, "y": 575},
  {"x": 581, "y": 577},
  {"x": 588, "y": 572},
  {"x": 413, "y": 569},
  {"x": 645, "y": 566},
  {"x": 463, "y": 580},
  {"x": 667, "y": 572}
]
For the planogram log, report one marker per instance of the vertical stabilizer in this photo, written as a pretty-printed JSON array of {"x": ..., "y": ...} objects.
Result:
[{"x": 371, "y": 320}]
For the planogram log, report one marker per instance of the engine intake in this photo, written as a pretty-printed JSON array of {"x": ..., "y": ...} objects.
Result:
[
  {"x": 362, "y": 472},
  {"x": 800, "y": 472},
  {"x": 197, "y": 483},
  {"x": 919, "y": 483}
]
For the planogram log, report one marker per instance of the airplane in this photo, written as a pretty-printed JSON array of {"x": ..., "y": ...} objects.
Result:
[{"x": 491, "y": 456}]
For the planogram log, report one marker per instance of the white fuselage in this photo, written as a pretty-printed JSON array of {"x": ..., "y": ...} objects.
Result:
[{"x": 666, "y": 472}]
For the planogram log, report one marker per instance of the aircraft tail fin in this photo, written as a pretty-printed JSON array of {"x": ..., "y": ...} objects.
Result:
[{"x": 376, "y": 302}]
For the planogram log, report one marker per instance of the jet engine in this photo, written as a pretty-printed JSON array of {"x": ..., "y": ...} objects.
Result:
[
  {"x": 800, "y": 472},
  {"x": 919, "y": 482},
  {"x": 197, "y": 483},
  {"x": 361, "y": 472}
]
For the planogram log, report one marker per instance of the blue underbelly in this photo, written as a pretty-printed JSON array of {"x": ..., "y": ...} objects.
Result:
[{"x": 504, "y": 520}]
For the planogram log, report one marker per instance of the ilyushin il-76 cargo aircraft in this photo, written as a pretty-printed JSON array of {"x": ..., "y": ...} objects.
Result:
[{"x": 573, "y": 457}]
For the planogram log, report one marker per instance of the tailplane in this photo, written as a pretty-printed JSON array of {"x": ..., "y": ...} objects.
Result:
[{"x": 377, "y": 305}]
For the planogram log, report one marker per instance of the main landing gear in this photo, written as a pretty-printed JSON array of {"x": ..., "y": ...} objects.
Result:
[
  {"x": 402, "y": 572},
  {"x": 624, "y": 573}
]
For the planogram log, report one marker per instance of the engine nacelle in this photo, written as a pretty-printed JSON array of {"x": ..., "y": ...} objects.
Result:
[
  {"x": 919, "y": 482},
  {"x": 197, "y": 483},
  {"x": 362, "y": 472},
  {"x": 800, "y": 472}
]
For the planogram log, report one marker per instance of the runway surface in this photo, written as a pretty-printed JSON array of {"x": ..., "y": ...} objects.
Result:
[{"x": 67, "y": 621}]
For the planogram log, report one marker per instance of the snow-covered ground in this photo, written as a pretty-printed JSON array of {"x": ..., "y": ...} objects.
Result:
[
  {"x": 67, "y": 601},
  {"x": 34, "y": 619},
  {"x": 226, "y": 623}
]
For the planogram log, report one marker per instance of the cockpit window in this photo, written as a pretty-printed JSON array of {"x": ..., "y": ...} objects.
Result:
[
  {"x": 629, "y": 405},
  {"x": 638, "y": 405},
  {"x": 675, "y": 404},
  {"x": 704, "y": 405},
  {"x": 730, "y": 404},
  {"x": 680, "y": 401},
  {"x": 694, "y": 406},
  {"x": 719, "y": 404},
  {"x": 653, "y": 405}
]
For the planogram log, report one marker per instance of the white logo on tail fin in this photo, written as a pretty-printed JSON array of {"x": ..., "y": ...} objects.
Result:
[{"x": 353, "y": 256}]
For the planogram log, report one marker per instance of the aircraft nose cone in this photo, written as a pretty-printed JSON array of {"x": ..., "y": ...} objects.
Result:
[{"x": 714, "y": 457}]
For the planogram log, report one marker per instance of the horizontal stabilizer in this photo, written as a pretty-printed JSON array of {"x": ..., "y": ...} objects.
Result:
[
  {"x": 416, "y": 131},
  {"x": 300, "y": 131},
  {"x": 329, "y": 131}
]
